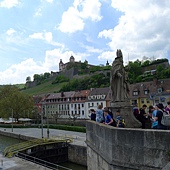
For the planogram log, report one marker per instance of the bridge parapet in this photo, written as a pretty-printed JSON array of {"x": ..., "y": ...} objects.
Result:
[{"x": 126, "y": 148}]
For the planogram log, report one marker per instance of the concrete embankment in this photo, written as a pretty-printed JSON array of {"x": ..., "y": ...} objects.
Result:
[
  {"x": 77, "y": 151},
  {"x": 18, "y": 164}
]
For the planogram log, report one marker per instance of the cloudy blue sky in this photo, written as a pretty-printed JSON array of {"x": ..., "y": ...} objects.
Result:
[{"x": 36, "y": 34}]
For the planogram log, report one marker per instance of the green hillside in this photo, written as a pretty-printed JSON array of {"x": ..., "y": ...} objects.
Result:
[
  {"x": 44, "y": 88},
  {"x": 97, "y": 77}
]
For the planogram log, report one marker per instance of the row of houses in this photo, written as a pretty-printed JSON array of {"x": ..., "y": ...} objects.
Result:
[{"x": 79, "y": 103}]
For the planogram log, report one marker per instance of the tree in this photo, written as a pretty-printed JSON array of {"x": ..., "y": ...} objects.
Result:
[
  {"x": 46, "y": 75},
  {"x": 37, "y": 77},
  {"x": 134, "y": 70},
  {"x": 28, "y": 79},
  {"x": 56, "y": 116},
  {"x": 74, "y": 117},
  {"x": 146, "y": 63},
  {"x": 11, "y": 99}
]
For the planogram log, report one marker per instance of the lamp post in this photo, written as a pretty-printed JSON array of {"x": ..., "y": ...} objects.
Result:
[
  {"x": 42, "y": 123},
  {"x": 12, "y": 120},
  {"x": 48, "y": 132}
]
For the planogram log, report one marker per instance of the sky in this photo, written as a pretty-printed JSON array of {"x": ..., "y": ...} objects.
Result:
[{"x": 36, "y": 34}]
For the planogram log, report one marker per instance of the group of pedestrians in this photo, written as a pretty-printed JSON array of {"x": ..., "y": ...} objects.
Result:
[
  {"x": 105, "y": 116},
  {"x": 153, "y": 116}
]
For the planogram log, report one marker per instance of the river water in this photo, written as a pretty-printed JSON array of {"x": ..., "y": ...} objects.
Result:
[{"x": 7, "y": 141}]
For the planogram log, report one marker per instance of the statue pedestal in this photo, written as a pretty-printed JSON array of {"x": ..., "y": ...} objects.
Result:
[{"x": 126, "y": 113}]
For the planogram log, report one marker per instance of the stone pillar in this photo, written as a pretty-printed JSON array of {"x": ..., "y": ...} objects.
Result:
[{"x": 126, "y": 113}]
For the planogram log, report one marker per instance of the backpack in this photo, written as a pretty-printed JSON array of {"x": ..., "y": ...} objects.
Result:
[
  {"x": 113, "y": 123},
  {"x": 136, "y": 112},
  {"x": 123, "y": 122},
  {"x": 165, "y": 119}
]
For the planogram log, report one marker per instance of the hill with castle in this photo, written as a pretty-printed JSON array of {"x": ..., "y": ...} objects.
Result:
[{"x": 77, "y": 75}]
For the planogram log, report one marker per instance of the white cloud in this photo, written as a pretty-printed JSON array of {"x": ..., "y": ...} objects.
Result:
[
  {"x": 73, "y": 18},
  {"x": 46, "y": 36},
  {"x": 38, "y": 12},
  {"x": 91, "y": 9},
  {"x": 50, "y": 1},
  {"x": 91, "y": 49},
  {"x": 10, "y": 31},
  {"x": 107, "y": 55},
  {"x": 143, "y": 29},
  {"x": 71, "y": 22},
  {"x": 9, "y": 3},
  {"x": 37, "y": 36},
  {"x": 18, "y": 73}
]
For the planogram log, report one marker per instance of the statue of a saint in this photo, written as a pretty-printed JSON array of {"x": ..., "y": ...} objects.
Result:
[{"x": 119, "y": 80}]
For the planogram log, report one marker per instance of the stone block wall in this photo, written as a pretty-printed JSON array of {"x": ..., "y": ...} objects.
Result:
[
  {"x": 77, "y": 154},
  {"x": 110, "y": 148}
]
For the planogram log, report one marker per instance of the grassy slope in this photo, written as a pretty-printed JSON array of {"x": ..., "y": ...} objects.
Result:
[{"x": 44, "y": 88}]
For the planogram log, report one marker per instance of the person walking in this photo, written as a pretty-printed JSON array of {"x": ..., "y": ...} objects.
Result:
[
  {"x": 92, "y": 115},
  {"x": 142, "y": 116},
  {"x": 153, "y": 120},
  {"x": 119, "y": 120},
  {"x": 99, "y": 114},
  {"x": 108, "y": 118},
  {"x": 159, "y": 115}
]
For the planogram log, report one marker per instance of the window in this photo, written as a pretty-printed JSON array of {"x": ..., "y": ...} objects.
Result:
[
  {"x": 82, "y": 112},
  {"x": 88, "y": 105},
  {"x": 135, "y": 93},
  {"x": 146, "y": 92},
  {"x": 134, "y": 102},
  {"x": 82, "y": 105},
  {"x": 147, "y": 101},
  {"x": 162, "y": 99},
  {"x": 142, "y": 101}
]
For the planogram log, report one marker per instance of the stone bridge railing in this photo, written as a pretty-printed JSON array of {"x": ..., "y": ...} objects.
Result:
[{"x": 113, "y": 148}]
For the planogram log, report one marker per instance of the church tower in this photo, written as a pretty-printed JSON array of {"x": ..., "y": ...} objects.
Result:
[
  {"x": 61, "y": 65},
  {"x": 72, "y": 59},
  {"x": 107, "y": 64}
]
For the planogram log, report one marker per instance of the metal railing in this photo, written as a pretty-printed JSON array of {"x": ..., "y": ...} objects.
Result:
[
  {"x": 41, "y": 162},
  {"x": 11, "y": 150}
]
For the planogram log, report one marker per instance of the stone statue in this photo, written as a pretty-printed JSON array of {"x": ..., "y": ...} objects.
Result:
[{"x": 119, "y": 80}]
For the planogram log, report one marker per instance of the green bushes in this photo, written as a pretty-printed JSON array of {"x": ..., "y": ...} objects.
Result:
[
  {"x": 51, "y": 126},
  {"x": 68, "y": 128}
]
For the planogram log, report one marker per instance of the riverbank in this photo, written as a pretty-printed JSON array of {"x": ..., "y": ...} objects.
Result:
[
  {"x": 32, "y": 133},
  {"x": 18, "y": 164},
  {"x": 77, "y": 149}
]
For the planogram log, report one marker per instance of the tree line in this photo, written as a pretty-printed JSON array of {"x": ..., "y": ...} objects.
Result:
[{"x": 14, "y": 103}]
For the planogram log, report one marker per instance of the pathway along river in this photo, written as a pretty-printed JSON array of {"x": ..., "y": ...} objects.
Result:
[{"x": 7, "y": 141}]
